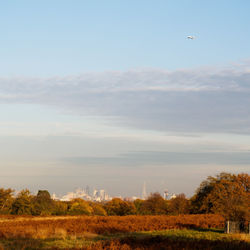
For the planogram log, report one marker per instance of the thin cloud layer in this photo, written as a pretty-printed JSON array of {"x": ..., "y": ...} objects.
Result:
[
  {"x": 166, "y": 158},
  {"x": 201, "y": 100}
]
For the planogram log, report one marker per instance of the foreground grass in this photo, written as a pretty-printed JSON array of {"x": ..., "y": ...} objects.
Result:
[{"x": 167, "y": 239}]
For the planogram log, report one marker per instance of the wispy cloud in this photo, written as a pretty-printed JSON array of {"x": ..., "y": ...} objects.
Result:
[
  {"x": 149, "y": 158},
  {"x": 198, "y": 100}
]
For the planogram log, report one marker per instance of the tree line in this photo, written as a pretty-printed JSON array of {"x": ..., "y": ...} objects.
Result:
[{"x": 225, "y": 194}]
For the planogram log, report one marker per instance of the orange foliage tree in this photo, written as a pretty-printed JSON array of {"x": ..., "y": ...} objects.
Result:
[{"x": 226, "y": 194}]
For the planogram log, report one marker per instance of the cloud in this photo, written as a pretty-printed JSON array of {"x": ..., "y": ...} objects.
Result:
[
  {"x": 155, "y": 158},
  {"x": 197, "y": 100}
]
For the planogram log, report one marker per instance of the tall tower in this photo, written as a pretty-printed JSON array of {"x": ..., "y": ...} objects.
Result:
[
  {"x": 95, "y": 193},
  {"x": 102, "y": 194},
  {"x": 165, "y": 196},
  {"x": 87, "y": 190},
  {"x": 144, "y": 192}
]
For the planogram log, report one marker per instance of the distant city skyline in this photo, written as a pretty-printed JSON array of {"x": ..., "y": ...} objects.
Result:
[
  {"x": 112, "y": 94},
  {"x": 102, "y": 195}
]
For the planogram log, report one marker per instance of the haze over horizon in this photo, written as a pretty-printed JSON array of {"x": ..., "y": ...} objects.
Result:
[{"x": 114, "y": 94}]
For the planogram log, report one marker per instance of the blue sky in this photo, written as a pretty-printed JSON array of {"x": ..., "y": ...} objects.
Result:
[
  {"x": 47, "y": 38},
  {"x": 106, "y": 93}
]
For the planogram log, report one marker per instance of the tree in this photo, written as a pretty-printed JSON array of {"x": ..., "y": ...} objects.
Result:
[
  {"x": 119, "y": 207},
  {"x": 138, "y": 205},
  {"x": 23, "y": 203},
  {"x": 244, "y": 180},
  {"x": 59, "y": 208},
  {"x": 6, "y": 200},
  {"x": 98, "y": 209},
  {"x": 43, "y": 204},
  {"x": 226, "y": 194},
  {"x": 154, "y": 205},
  {"x": 179, "y": 205},
  {"x": 79, "y": 207}
]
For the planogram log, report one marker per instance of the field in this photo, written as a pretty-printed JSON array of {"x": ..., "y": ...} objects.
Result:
[{"x": 114, "y": 232}]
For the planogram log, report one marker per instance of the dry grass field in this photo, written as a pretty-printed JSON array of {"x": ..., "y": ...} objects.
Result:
[
  {"x": 118, "y": 232},
  {"x": 33, "y": 227}
]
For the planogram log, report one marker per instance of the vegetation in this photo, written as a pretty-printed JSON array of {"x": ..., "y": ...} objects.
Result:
[
  {"x": 42, "y": 203},
  {"x": 74, "y": 225},
  {"x": 23, "y": 203},
  {"x": 120, "y": 207},
  {"x": 98, "y": 232},
  {"x": 167, "y": 239},
  {"x": 28, "y": 221},
  {"x": 154, "y": 205},
  {"x": 6, "y": 200},
  {"x": 225, "y": 194}
]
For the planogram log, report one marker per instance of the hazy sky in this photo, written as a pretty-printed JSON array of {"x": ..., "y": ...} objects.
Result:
[{"x": 111, "y": 94}]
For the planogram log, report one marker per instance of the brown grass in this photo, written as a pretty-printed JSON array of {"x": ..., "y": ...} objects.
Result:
[{"x": 44, "y": 227}]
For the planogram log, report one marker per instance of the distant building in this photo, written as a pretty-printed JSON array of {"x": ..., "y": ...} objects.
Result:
[
  {"x": 87, "y": 190},
  {"x": 173, "y": 196},
  {"x": 102, "y": 194},
  {"x": 54, "y": 197},
  {"x": 165, "y": 194},
  {"x": 144, "y": 191},
  {"x": 79, "y": 193},
  {"x": 95, "y": 193},
  {"x": 131, "y": 199}
]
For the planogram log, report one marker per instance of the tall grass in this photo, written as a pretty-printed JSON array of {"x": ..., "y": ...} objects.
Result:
[{"x": 68, "y": 226}]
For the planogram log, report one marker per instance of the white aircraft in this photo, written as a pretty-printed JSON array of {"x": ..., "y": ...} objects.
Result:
[{"x": 190, "y": 37}]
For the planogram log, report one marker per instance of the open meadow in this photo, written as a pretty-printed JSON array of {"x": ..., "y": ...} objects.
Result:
[{"x": 118, "y": 232}]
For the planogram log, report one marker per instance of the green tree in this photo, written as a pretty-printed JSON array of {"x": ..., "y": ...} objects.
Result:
[
  {"x": 43, "y": 204},
  {"x": 225, "y": 194},
  {"x": 22, "y": 203},
  {"x": 6, "y": 200}
]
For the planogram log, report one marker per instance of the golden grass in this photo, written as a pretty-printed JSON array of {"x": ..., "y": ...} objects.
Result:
[{"x": 44, "y": 227}]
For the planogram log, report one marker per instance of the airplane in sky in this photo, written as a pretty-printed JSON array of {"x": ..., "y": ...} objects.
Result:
[{"x": 190, "y": 37}]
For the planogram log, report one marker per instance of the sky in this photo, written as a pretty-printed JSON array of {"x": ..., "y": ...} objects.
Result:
[{"x": 112, "y": 94}]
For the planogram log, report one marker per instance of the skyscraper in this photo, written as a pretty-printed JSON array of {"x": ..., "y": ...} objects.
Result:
[
  {"x": 165, "y": 194},
  {"x": 144, "y": 192},
  {"x": 87, "y": 190},
  {"x": 102, "y": 194}
]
